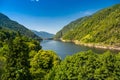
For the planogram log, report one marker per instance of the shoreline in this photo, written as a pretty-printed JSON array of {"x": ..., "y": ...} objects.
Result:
[{"x": 94, "y": 45}]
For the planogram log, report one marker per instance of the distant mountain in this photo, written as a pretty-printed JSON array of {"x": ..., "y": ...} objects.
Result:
[
  {"x": 5, "y": 22},
  {"x": 44, "y": 35},
  {"x": 103, "y": 27}
]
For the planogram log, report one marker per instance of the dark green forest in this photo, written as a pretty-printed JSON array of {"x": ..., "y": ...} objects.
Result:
[{"x": 103, "y": 27}]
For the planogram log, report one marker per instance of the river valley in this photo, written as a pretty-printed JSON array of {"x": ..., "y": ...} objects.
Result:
[{"x": 65, "y": 48}]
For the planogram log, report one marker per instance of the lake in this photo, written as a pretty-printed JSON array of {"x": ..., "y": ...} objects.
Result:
[{"x": 63, "y": 49}]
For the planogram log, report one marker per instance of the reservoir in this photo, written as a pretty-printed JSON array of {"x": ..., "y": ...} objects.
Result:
[{"x": 63, "y": 49}]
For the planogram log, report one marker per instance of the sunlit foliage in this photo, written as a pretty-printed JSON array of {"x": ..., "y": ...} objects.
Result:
[{"x": 88, "y": 66}]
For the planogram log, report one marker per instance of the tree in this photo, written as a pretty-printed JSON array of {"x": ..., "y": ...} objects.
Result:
[
  {"x": 42, "y": 63},
  {"x": 87, "y": 66},
  {"x": 17, "y": 64},
  {"x": 2, "y": 61}
]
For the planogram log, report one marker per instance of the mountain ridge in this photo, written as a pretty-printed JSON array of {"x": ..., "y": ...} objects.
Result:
[
  {"x": 43, "y": 34},
  {"x": 102, "y": 27},
  {"x": 6, "y": 22}
]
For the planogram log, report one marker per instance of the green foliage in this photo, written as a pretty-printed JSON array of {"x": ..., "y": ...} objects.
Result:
[
  {"x": 2, "y": 61},
  {"x": 6, "y": 34},
  {"x": 101, "y": 27},
  {"x": 42, "y": 63},
  {"x": 5, "y": 22},
  {"x": 70, "y": 27},
  {"x": 3, "y": 50},
  {"x": 15, "y": 50},
  {"x": 87, "y": 66},
  {"x": 17, "y": 64},
  {"x": 33, "y": 45}
]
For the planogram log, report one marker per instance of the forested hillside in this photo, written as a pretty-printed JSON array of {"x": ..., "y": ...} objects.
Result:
[
  {"x": 103, "y": 27},
  {"x": 70, "y": 27},
  {"x": 13, "y": 25}
]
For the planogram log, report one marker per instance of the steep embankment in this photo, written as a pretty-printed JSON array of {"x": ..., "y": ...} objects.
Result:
[{"x": 101, "y": 30}]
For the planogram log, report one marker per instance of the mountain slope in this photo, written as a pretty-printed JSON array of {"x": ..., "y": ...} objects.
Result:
[
  {"x": 70, "y": 27},
  {"x": 102, "y": 27},
  {"x": 12, "y": 25},
  {"x": 43, "y": 34}
]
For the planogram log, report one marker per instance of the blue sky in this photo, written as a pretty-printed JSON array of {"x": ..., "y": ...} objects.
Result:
[{"x": 50, "y": 15}]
